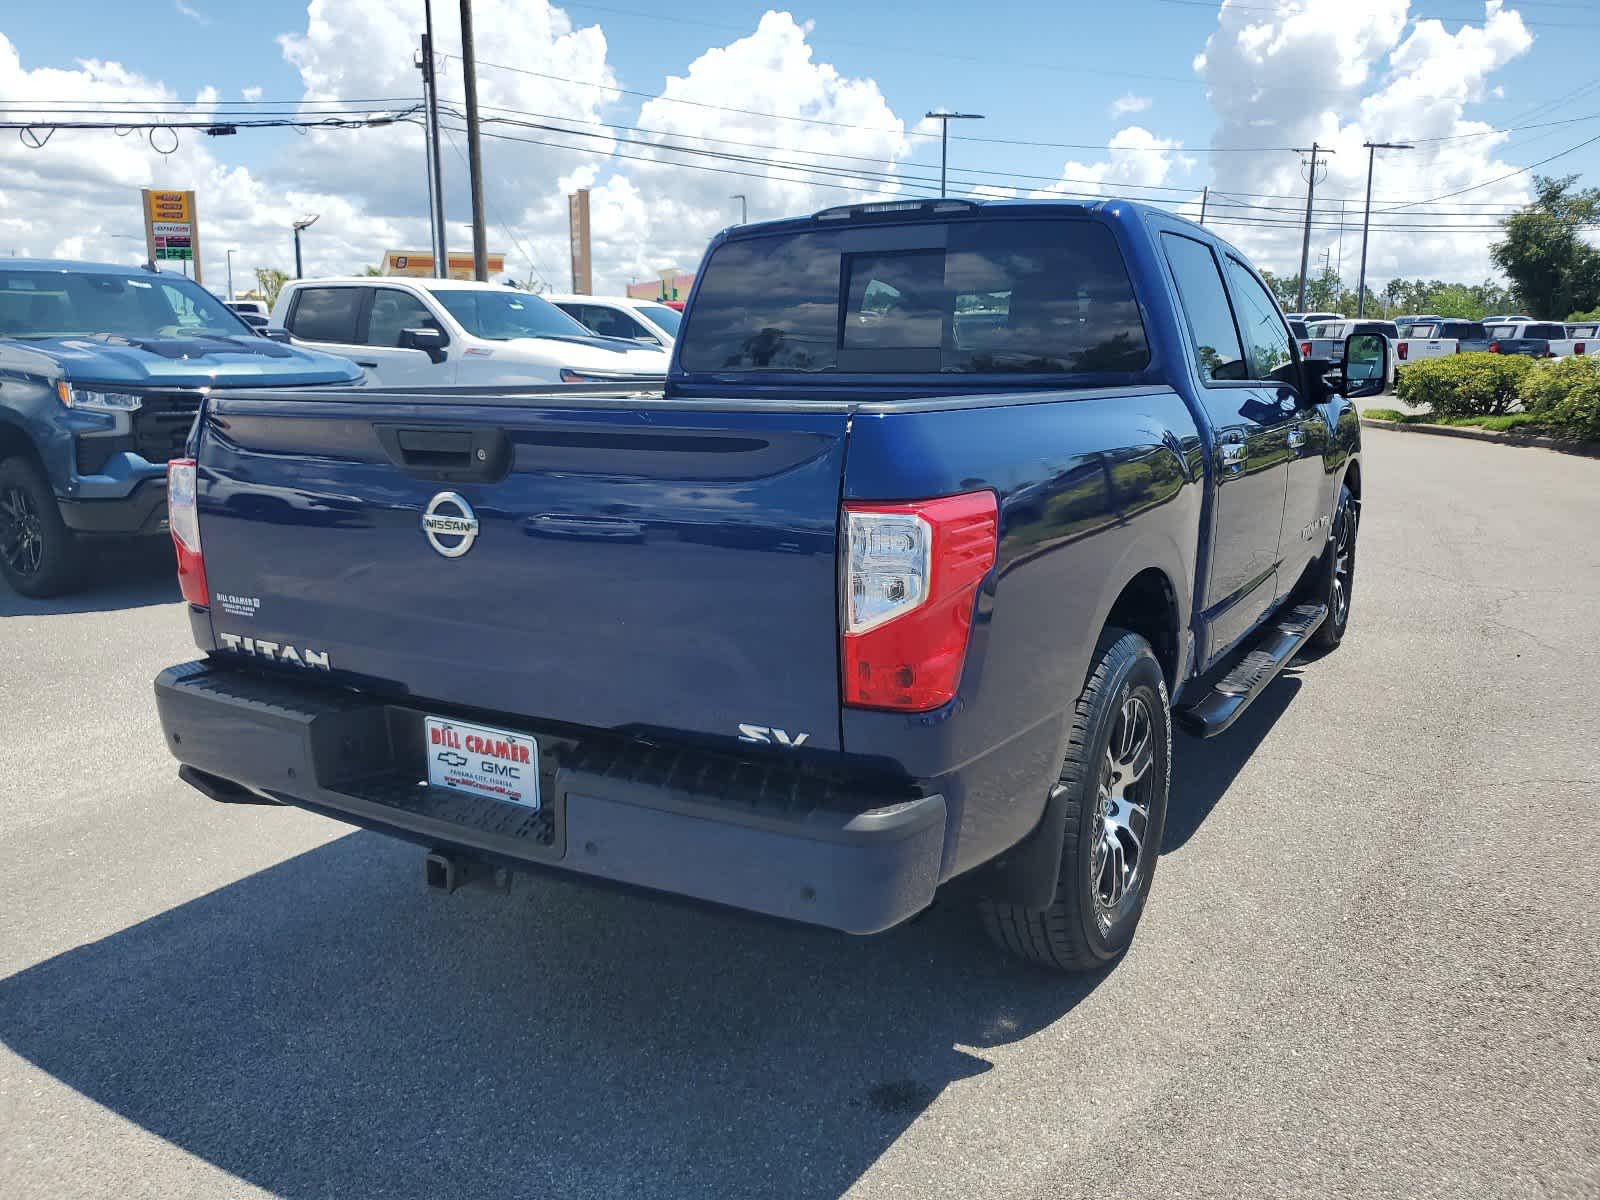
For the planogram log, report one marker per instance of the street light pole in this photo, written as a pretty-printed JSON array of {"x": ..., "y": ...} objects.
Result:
[
  {"x": 1366, "y": 220},
  {"x": 944, "y": 119},
  {"x": 744, "y": 208},
  {"x": 1305, "y": 242},
  {"x": 302, "y": 223},
  {"x": 230, "y": 274}
]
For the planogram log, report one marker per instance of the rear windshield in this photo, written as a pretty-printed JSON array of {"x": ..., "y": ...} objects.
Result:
[
  {"x": 1016, "y": 296},
  {"x": 46, "y": 304},
  {"x": 1545, "y": 331},
  {"x": 1387, "y": 328},
  {"x": 1462, "y": 331},
  {"x": 1583, "y": 330}
]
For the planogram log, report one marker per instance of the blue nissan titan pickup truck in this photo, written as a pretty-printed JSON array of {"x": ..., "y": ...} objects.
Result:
[
  {"x": 947, "y": 511},
  {"x": 101, "y": 372}
]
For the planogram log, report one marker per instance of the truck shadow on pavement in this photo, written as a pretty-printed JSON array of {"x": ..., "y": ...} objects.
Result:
[
  {"x": 118, "y": 575},
  {"x": 325, "y": 1027}
]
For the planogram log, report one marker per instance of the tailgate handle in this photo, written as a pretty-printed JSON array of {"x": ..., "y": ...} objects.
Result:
[{"x": 451, "y": 454}]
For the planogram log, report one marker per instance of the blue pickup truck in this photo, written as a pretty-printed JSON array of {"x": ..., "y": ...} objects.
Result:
[
  {"x": 101, "y": 373},
  {"x": 946, "y": 512}
]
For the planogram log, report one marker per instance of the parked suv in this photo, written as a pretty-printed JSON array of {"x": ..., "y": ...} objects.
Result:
[
  {"x": 455, "y": 333},
  {"x": 101, "y": 372}
]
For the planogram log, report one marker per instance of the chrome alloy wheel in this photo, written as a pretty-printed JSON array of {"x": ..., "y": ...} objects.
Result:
[
  {"x": 1122, "y": 817},
  {"x": 1344, "y": 566},
  {"x": 21, "y": 532}
]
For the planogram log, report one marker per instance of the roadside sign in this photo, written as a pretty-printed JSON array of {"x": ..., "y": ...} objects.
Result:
[{"x": 171, "y": 232}]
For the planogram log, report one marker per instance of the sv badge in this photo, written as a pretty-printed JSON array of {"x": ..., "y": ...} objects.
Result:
[{"x": 767, "y": 735}]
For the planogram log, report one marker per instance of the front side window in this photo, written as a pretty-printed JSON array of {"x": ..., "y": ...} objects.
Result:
[
  {"x": 1044, "y": 296},
  {"x": 393, "y": 312},
  {"x": 48, "y": 304},
  {"x": 326, "y": 314},
  {"x": 1218, "y": 354},
  {"x": 1266, "y": 337}
]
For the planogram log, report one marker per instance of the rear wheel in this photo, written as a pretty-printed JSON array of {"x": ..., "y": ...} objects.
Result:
[
  {"x": 1336, "y": 573},
  {"x": 1114, "y": 782},
  {"x": 39, "y": 555}
]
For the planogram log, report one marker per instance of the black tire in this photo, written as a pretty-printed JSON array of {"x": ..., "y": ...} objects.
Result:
[
  {"x": 1333, "y": 583},
  {"x": 39, "y": 555},
  {"x": 1079, "y": 931}
]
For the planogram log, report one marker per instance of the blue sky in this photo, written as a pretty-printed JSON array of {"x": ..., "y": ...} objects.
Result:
[{"x": 1041, "y": 72}]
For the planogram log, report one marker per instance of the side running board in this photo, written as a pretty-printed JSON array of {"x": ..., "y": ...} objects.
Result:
[{"x": 1275, "y": 645}]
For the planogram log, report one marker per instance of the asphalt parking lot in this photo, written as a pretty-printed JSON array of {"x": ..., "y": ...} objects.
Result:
[{"x": 1371, "y": 965}]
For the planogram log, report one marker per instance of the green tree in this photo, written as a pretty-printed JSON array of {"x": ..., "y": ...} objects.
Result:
[
  {"x": 269, "y": 282},
  {"x": 1551, "y": 268}
]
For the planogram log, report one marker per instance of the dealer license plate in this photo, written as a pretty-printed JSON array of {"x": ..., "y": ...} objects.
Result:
[{"x": 495, "y": 763}]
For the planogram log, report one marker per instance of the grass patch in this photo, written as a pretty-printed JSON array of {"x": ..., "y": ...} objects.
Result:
[{"x": 1530, "y": 423}]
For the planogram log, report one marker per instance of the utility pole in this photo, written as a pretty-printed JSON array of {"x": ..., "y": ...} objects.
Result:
[
  {"x": 1205, "y": 198},
  {"x": 944, "y": 119},
  {"x": 430, "y": 97},
  {"x": 1366, "y": 220},
  {"x": 744, "y": 208},
  {"x": 469, "y": 75},
  {"x": 1305, "y": 242},
  {"x": 230, "y": 274}
]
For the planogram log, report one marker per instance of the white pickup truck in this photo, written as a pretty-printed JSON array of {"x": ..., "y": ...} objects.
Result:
[
  {"x": 1538, "y": 339},
  {"x": 1328, "y": 337},
  {"x": 1436, "y": 339}
]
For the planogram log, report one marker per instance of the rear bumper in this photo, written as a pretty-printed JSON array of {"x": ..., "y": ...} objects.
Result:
[{"x": 713, "y": 829}]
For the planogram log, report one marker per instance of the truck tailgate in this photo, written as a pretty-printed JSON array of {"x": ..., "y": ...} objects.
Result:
[{"x": 636, "y": 566}]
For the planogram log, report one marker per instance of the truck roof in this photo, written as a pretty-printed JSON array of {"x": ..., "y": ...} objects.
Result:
[{"x": 422, "y": 281}]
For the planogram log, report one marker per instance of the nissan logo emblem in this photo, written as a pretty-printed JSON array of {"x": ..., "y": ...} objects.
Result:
[{"x": 450, "y": 524}]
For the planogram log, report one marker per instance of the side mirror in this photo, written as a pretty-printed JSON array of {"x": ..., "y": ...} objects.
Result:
[
  {"x": 1366, "y": 365},
  {"x": 275, "y": 334},
  {"x": 430, "y": 341}
]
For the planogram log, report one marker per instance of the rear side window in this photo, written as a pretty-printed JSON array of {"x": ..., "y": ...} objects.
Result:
[
  {"x": 326, "y": 314},
  {"x": 1205, "y": 302},
  {"x": 1266, "y": 338},
  {"x": 1018, "y": 297}
]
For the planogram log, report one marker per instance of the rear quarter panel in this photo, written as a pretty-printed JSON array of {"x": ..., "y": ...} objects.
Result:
[{"x": 1093, "y": 488}]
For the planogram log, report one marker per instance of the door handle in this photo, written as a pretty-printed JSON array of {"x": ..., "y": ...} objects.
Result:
[
  {"x": 1296, "y": 438},
  {"x": 364, "y": 363},
  {"x": 1232, "y": 454}
]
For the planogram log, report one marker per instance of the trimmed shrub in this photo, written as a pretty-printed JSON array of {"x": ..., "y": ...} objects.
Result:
[
  {"x": 1465, "y": 385},
  {"x": 1552, "y": 382}
]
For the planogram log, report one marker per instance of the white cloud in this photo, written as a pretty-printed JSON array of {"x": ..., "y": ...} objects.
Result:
[
  {"x": 250, "y": 93},
  {"x": 1136, "y": 159},
  {"x": 1127, "y": 104},
  {"x": 1344, "y": 72},
  {"x": 190, "y": 11}
]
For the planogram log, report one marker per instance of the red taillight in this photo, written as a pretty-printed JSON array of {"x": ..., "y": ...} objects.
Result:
[
  {"x": 912, "y": 573},
  {"x": 1578, "y": 347},
  {"x": 1494, "y": 347},
  {"x": 1305, "y": 349},
  {"x": 1402, "y": 350},
  {"x": 183, "y": 518}
]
